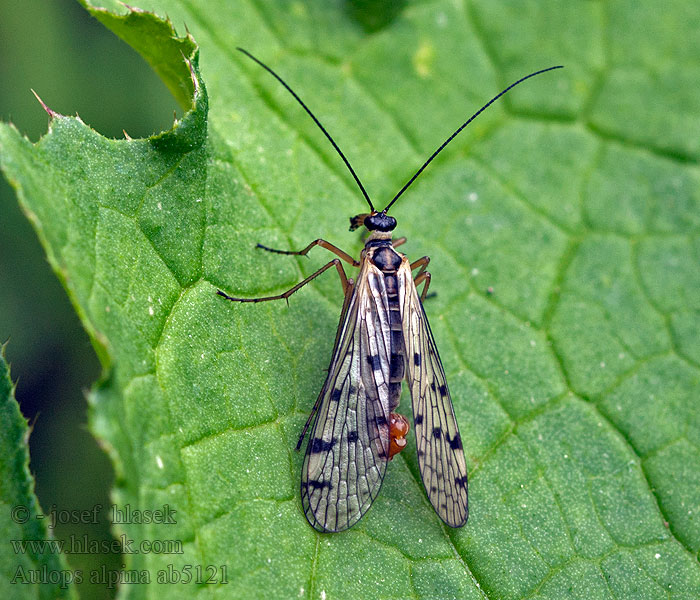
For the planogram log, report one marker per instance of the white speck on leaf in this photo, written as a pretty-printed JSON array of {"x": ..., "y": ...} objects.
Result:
[{"x": 159, "y": 461}]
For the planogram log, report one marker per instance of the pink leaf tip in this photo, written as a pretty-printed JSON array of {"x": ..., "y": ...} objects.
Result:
[{"x": 51, "y": 113}]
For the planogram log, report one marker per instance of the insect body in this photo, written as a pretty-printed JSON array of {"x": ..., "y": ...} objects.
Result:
[{"x": 383, "y": 338}]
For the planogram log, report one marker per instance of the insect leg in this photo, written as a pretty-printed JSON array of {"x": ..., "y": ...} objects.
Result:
[
  {"x": 346, "y": 302},
  {"x": 420, "y": 278},
  {"x": 310, "y": 419},
  {"x": 398, "y": 241},
  {"x": 334, "y": 263},
  {"x": 422, "y": 263},
  {"x": 308, "y": 423},
  {"x": 323, "y": 243}
]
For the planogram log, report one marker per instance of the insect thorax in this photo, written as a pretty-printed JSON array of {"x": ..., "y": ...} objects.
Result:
[{"x": 376, "y": 236}]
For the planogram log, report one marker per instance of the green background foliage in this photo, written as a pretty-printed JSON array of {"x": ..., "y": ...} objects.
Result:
[
  {"x": 76, "y": 65},
  {"x": 563, "y": 231},
  {"x": 19, "y": 507}
]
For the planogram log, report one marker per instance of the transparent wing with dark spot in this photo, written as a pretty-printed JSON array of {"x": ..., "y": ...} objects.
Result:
[
  {"x": 347, "y": 451},
  {"x": 439, "y": 445}
]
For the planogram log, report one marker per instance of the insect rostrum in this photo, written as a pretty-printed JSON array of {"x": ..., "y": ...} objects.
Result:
[{"x": 383, "y": 338}]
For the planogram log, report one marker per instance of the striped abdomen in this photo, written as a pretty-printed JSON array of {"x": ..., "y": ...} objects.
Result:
[{"x": 388, "y": 262}]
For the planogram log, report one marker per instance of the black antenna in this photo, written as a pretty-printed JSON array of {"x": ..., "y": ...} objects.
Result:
[
  {"x": 321, "y": 127},
  {"x": 454, "y": 135}
]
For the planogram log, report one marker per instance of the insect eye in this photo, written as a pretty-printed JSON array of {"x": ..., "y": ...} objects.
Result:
[{"x": 380, "y": 222}]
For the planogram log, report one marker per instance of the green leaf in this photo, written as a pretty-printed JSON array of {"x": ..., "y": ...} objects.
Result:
[
  {"x": 563, "y": 227},
  {"x": 30, "y": 565}
]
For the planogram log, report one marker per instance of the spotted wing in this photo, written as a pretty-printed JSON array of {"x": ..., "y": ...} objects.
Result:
[
  {"x": 347, "y": 452},
  {"x": 439, "y": 445}
]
